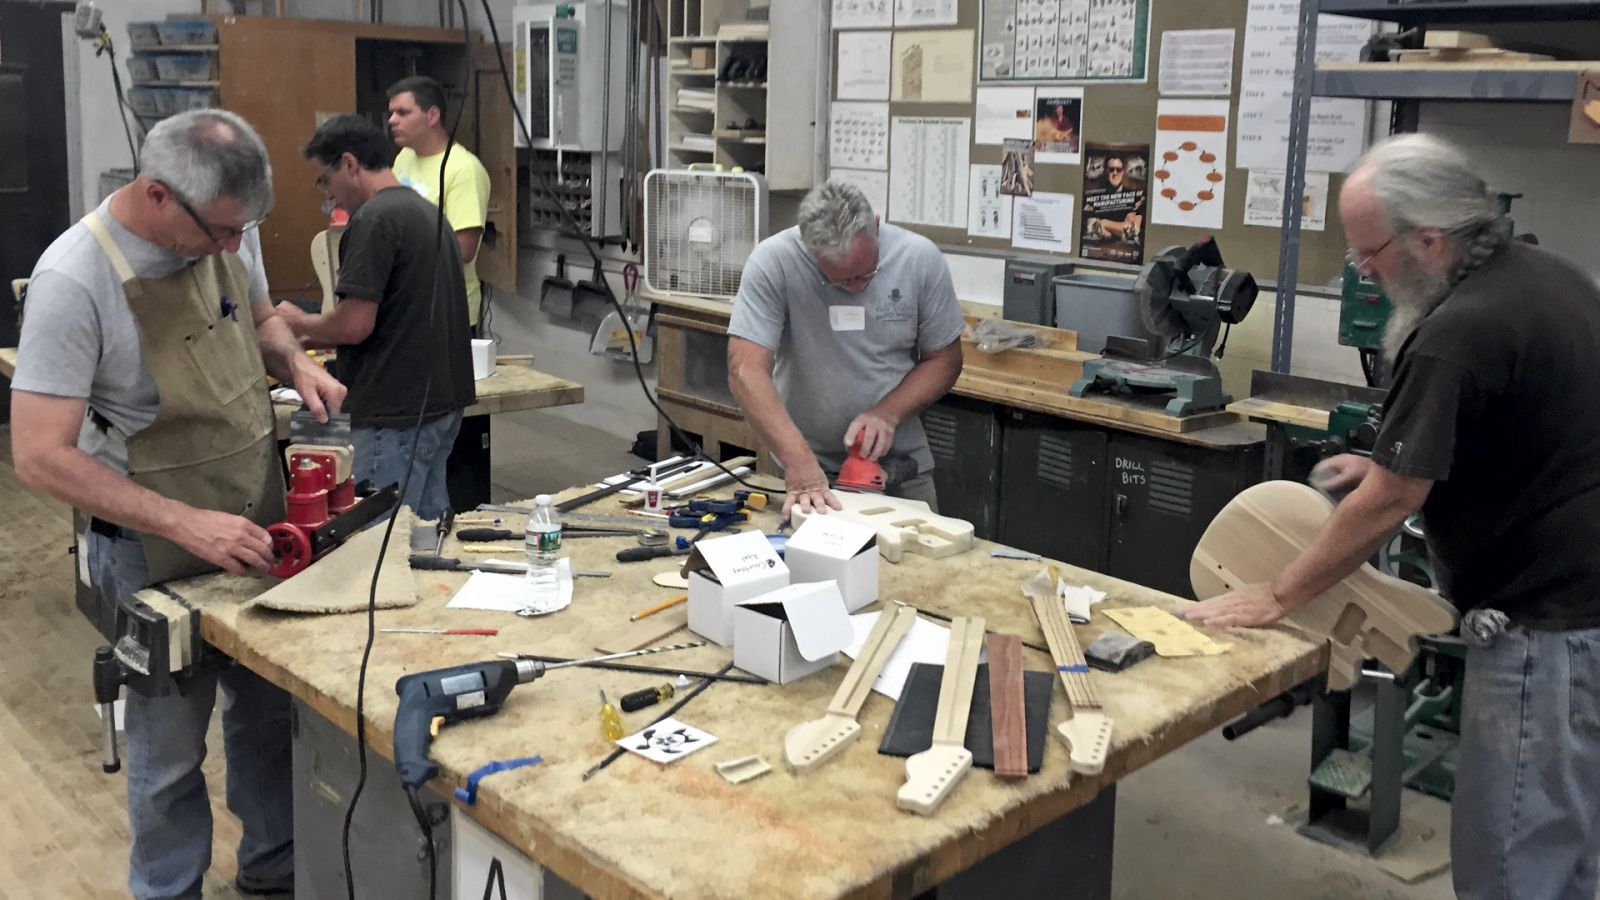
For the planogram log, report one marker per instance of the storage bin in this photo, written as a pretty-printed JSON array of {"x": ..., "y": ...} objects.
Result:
[
  {"x": 144, "y": 34},
  {"x": 182, "y": 99},
  {"x": 186, "y": 66},
  {"x": 143, "y": 68},
  {"x": 182, "y": 31},
  {"x": 146, "y": 101}
]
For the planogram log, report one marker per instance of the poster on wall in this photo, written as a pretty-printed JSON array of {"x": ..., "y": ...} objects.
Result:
[
  {"x": 1058, "y": 125},
  {"x": 1063, "y": 40},
  {"x": 932, "y": 67},
  {"x": 862, "y": 14},
  {"x": 1016, "y": 168},
  {"x": 988, "y": 210},
  {"x": 1114, "y": 180},
  {"x": 1190, "y": 177},
  {"x": 864, "y": 65},
  {"x": 1338, "y": 128}
]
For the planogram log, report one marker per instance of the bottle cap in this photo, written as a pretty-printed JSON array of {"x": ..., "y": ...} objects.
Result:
[{"x": 542, "y": 500}]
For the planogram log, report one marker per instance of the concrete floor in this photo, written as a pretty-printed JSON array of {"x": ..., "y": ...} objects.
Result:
[{"x": 1197, "y": 825}]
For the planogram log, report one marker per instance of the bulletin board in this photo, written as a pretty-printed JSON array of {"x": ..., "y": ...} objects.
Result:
[{"x": 1113, "y": 112}]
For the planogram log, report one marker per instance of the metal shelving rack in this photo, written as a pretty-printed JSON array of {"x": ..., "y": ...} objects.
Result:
[{"x": 1329, "y": 818}]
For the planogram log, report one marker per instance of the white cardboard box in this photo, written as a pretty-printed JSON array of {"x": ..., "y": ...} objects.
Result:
[
  {"x": 831, "y": 548},
  {"x": 791, "y": 632},
  {"x": 724, "y": 570}
]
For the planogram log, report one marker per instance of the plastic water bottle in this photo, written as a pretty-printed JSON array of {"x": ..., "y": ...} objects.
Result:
[{"x": 542, "y": 543}]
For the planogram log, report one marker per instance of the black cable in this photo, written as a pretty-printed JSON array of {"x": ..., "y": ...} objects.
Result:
[
  {"x": 421, "y": 812},
  {"x": 405, "y": 483},
  {"x": 590, "y": 247},
  {"x": 122, "y": 104}
]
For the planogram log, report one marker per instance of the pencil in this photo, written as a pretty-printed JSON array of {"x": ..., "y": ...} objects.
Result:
[{"x": 658, "y": 608}]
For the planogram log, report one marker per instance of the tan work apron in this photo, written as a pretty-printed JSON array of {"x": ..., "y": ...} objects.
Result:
[{"x": 212, "y": 444}]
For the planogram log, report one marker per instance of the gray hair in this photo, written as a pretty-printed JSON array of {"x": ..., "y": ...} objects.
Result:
[
  {"x": 1424, "y": 182},
  {"x": 832, "y": 216},
  {"x": 203, "y": 154}
]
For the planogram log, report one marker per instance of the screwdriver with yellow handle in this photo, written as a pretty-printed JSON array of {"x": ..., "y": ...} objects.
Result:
[
  {"x": 646, "y": 697},
  {"x": 610, "y": 719}
]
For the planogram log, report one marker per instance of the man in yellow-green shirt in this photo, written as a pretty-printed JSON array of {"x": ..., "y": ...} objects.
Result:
[{"x": 416, "y": 122}]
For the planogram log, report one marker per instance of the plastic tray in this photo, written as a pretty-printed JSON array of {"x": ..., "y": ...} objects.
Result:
[
  {"x": 187, "y": 66},
  {"x": 143, "y": 68},
  {"x": 177, "y": 100},
  {"x": 145, "y": 101},
  {"x": 187, "y": 31}
]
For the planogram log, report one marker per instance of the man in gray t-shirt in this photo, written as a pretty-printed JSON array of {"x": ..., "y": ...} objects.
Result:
[{"x": 843, "y": 331}]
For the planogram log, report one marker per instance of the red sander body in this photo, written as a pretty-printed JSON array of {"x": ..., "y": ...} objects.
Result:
[{"x": 868, "y": 476}]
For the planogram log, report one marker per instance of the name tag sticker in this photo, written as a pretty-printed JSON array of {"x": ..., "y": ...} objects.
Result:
[{"x": 847, "y": 318}]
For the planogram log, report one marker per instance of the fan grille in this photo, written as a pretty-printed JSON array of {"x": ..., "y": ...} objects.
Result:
[{"x": 700, "y": 227}]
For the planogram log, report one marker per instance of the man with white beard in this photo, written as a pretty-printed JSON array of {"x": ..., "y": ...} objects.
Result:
[{"x": 1490, "y": 431}]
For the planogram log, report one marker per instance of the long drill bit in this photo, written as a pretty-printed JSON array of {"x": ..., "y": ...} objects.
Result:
[{"x": 612, "y": 757}]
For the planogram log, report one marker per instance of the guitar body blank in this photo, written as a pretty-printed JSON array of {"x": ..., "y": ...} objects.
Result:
[{"x": 1368, "y": 614}]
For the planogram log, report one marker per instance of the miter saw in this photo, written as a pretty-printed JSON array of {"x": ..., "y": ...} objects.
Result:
[{"x": 1185, "y": 297}]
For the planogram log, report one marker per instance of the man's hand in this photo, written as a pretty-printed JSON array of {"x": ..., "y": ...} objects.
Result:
[
  {"x": 808, "y": 489},
  {"x": 1338, "y": 474},
  {"x": 1249, "y": 606},
  {"x": 232, "y": 542},
  {"x": 322, "y": 393},
  {"x": 875, "y": 431}
]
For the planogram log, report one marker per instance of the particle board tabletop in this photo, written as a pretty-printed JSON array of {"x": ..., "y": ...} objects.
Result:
[
  {"x": 513, "y": 386},
  {"x": 641, "y": 830}
]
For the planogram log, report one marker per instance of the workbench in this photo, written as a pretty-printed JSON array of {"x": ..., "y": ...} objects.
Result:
[
  {"x": 640, "y": 830},
  {"x": 1103, "y": 482}
]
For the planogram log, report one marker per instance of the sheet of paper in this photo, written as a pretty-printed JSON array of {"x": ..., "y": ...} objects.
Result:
[
  {"x": 1171, "y": 635},
  {"x": 1042, "y": 222},
  {"x": 932, "y": 67},
  {"x": 1266, "y": 81},
  {"x": 864, "y": 65},
  {"x": 1016, "y": 168},
  {"x": 1191, "y": 152},
  {"x": 486, "y": 866},
  {"x": 928, "y": 170},
  {"x": 1003, "y": 112},
  {"x": 510, "y": 593},
  {"x": 1058, "y": 125},
  {"x": 863, "y": 13},
  {"x": 1079, "y": 600},
  {"x": 988, "y": 210},
  {"x": 1263, "y": 199},
  {"x": 1197, "y": 63},
  {"x": 667, "y": 741},
  {"x": 858, "y": 135},
  {"x": 917, "y": 13},
  {"x": 925, "y": 642},
  {"x": 874, "y": 184},
  {"x": 1081, "y": 40}
]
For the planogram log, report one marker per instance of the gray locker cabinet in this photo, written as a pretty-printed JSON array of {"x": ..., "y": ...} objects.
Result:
[
  {"x": 1162, "y": 497},
  {"x": 964, "y": 436},
  {"x": 1053, "y": 488}
]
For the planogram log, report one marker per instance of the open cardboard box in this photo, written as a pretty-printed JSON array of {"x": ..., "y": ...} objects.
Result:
[
  {"x": 791, "y": 632},
  {"x": 834, "y": 548},
  {"x": 725, "y": 570}
]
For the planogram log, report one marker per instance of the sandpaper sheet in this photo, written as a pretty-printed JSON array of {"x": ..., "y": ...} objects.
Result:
[
  {"x": 339, "y": 581},
  {"x": 910, "y": 728}
]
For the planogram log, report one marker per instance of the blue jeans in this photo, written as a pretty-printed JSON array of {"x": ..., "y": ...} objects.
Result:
[
  {"x": 1525, "y": 822},
  {"x": 169, "y": 811},
  {"x": 381, "y": 455}
]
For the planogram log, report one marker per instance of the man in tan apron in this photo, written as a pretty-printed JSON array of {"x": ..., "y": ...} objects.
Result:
[{"x": 140, "y": 398}]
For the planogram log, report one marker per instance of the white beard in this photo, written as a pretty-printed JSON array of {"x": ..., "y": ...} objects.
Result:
[{"x": 1411, "y": 298}]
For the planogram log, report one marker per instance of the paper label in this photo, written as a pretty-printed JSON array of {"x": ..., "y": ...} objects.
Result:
[{"x": 847, "y": 318}]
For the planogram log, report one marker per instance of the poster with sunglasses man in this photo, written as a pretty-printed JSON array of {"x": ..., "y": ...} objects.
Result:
[{"x": 1114, "y": 202}]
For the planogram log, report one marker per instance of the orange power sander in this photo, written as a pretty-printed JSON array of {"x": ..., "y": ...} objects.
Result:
[{"x": 879, "y": 476}]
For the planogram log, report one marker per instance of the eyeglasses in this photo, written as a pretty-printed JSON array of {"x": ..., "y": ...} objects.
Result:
[
  {"x": 1360, "y": 264},
  {"x": 854, "y": 282},
  {"x": 322, "y": 180},
  {"x": 217, "y": 234}
]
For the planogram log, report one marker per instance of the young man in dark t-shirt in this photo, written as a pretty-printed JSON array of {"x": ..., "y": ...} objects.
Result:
[
  {"x": 1489, "y": 431},
  {"x": 401, "y": 326}
]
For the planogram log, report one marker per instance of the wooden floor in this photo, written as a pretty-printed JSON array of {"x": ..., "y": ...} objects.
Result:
[{"x": 63, "y": 822}]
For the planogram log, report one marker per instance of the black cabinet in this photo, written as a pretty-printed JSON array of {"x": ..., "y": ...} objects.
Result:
[
  {"x": 1053, "y": 488},
  {"x": 1162, "y": 497},
  {"x": 964, "y": 436}
]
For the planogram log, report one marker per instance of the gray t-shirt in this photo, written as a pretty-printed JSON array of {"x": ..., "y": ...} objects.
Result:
[
  {"x": 836, "y": 354},
  {"x": 79, "y": 338}
]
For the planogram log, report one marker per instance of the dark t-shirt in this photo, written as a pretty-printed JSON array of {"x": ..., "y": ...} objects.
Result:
[
  {"x": 1494, "y": 400},
  {"x": 395, "y": 253}
]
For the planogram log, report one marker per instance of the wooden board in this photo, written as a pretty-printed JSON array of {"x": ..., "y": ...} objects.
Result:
[
  {"x": 1285, "y": 413},
  {"x": 1476, "y": 56},
  {"x": 1106, "y": 409},
  {"x": 1007, "y": 707},
  {"x": 1368, "y": 614},
  {"x": 774, "y": 838}
]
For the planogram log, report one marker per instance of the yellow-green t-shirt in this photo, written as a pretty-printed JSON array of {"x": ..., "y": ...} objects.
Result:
[{"x": 466, "y": 200}]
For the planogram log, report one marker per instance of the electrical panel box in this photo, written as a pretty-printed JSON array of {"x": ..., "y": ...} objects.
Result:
[
  {"x": 1029, "y": 291},
  {"x": 571, "y": 73}
]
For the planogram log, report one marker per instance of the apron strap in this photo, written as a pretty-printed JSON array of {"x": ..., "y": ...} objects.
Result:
[{"x": 119, "y": 260}]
